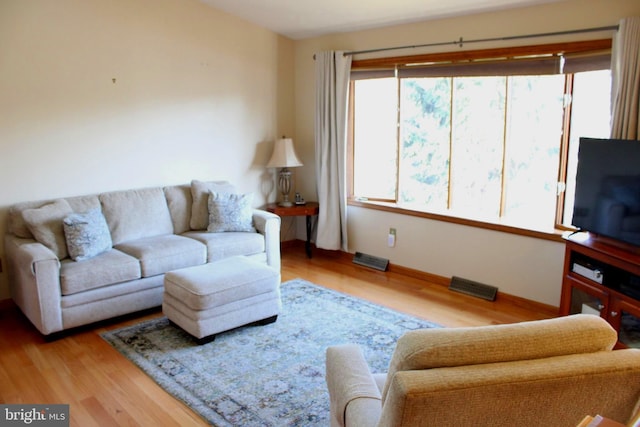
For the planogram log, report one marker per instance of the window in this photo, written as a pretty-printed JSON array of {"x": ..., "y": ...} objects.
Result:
[{"x": 492, "y": 139}]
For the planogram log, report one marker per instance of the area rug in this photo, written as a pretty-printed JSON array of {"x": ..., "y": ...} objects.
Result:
[{"x": 269, "y": 375}]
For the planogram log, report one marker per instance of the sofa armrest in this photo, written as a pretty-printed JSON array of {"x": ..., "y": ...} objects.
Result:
[
  {"x": 353, "y": 393},
  {"x": 34, "y": 278},
  {"x": 268, "y": 224}
]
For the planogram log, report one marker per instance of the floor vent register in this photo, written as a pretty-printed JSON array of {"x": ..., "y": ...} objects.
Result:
[
  {"x": 371, "y": 261},
  {"x": 475, "y": 289}
]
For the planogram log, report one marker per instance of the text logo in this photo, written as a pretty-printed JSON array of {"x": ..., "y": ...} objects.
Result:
[{"x": 34, "y": 415}]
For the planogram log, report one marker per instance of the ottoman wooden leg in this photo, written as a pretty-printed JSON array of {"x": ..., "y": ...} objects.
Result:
[
  {"x": 267, "y": 321},
  {"x": 206, "y": 340}
]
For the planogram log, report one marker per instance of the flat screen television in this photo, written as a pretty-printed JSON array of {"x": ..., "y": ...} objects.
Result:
[{"x": 607, "y": 196}]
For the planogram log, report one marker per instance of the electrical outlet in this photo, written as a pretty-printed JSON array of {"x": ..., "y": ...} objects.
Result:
[{"x": 391, "y": 239}]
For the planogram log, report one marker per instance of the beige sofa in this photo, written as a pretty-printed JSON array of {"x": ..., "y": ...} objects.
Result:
[
  {"x": 541, "y": 373},
  {"x": 62, "y": 280}
]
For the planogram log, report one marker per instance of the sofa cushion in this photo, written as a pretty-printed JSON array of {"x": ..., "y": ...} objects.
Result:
[
  {"x": 179, "y": 200},
  {"x": 223, "y": 245},
  {"x": 18, "y": 227},
  {"x": 16, "y": 224},
  {"x": 127, "y": 293},
  {"x": 200, "y": 194},
  {"x": 230, "y": 212},
  {"x": 87, "y": 234},
  {"x": 136, "y": 214},
  {"x": 160, "y": 254},
  {"x": 221, "y": 283},
  {"x": 45, "y": 223},
  {"x": 84, "y": 203},
  {"x": 105, "y": 269}
]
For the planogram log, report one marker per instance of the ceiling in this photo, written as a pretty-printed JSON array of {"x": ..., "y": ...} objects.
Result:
[{"x": 299, "y": 19}]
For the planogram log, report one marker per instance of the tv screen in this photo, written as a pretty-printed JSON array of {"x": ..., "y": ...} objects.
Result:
[{"x": 607, "y": 197}]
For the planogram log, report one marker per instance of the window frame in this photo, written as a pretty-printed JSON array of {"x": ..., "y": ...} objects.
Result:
[{"x": 581, "y": 50}]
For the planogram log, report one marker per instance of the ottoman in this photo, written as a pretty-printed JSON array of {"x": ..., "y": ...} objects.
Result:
[{"x": 216, "y": 297}]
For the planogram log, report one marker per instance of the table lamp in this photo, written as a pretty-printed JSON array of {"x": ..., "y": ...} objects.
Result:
[{"x": 284, "y": 156}]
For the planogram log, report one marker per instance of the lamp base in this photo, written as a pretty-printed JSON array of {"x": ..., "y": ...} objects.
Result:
[{"x": 284, "y": 182}]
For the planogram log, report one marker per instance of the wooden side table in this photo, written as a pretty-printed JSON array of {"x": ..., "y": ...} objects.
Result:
[{"x": 309, "y": 209}]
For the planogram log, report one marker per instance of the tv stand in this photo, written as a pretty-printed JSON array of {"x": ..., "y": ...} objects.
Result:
[
  {"x": 608, "y": 241},
  {"x": 604, "y": 279}
]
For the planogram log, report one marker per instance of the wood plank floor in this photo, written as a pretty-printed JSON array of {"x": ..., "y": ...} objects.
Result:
[{"x": 103, "y": 388}]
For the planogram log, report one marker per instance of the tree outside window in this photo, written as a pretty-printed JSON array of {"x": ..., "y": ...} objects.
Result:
[{"x": 486, "y": 147}]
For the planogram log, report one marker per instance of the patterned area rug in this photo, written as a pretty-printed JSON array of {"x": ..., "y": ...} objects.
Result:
[{"x": 269, "y": 375}]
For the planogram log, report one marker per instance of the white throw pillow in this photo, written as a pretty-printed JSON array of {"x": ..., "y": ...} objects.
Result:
[
  {"x": 230, "y": 212},
  {"x": 45, "y": 223}
]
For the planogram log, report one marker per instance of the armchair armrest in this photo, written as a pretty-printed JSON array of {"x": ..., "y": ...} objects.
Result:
[
  {"x": 353, "y": 393},
  {"x": 34, "y": 276},
  {"x": 268, "y": 224}
]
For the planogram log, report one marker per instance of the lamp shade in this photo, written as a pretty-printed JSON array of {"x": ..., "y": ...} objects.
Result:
[{"x": 284, "y": 155}]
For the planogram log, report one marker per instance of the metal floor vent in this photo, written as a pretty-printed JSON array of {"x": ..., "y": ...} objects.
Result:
[
  {"x": 371, "y": 261},
  {"x": 475, "y": 289}
]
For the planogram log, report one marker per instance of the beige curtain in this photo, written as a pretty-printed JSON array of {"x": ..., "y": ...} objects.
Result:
[
  {"x": 332, "y": 86},
  {"x": 625, "y": 69}
]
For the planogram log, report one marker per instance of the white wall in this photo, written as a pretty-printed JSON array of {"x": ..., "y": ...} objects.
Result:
[
  {"x": 522, "y": 266},
  {"x": 198, "y": 94}
]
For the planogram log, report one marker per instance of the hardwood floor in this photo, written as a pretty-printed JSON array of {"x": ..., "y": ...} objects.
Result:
[
  {"x": 402, "y": 292},
  {"x": 103, "y": 388}
]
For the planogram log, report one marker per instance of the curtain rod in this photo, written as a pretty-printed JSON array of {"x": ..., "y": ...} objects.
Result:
[{"x": 461, "y": 41}]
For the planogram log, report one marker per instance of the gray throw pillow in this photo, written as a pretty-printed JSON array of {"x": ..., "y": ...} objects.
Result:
[
  {"x": 230, "y": 212},
  {"x": 87, "y": 234},
  {"x": 45, "y": 223}
]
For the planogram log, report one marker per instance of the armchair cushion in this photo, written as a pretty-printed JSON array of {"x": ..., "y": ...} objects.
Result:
[
  {"x": 541, "y": 392},
  {"x": 446, "y": 347}
]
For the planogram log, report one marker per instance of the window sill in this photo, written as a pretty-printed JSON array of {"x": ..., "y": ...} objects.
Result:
[{"x": 554, "y": 235}]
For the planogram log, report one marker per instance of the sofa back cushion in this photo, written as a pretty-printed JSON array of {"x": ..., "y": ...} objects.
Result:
[
  {"x": 135, "y": 214},
  {"x": 179, "y": 201},
  {"x": 82, "y": 204},
  {"x": 18, "y": 227}
]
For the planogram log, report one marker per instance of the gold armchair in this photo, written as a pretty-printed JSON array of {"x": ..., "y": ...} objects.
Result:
[{"x": 540, "y": 373}]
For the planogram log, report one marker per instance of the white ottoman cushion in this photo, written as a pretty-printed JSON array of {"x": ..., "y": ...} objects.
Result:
[{"x": 215, "y": 297}]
